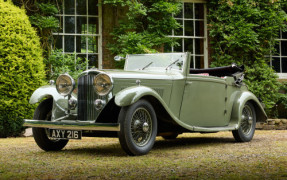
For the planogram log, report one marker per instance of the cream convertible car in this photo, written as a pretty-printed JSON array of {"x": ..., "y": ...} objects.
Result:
[{"x": 155, "y": 95}]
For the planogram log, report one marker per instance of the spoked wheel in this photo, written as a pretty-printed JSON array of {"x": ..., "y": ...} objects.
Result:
[
  {"x": 138, "y": 128},
  {"x": 247, "y": 126},
  {"x": 44, "y": 112}
]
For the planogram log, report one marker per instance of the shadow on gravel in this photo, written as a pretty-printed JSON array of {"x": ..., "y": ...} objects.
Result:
[
  {"x": 195, "y": 141},
  {"x": 116, "y": 150}
]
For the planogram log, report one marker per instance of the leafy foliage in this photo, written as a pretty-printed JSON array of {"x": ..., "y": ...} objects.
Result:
[
  {"x": 21, "y": 68},
  {"x": 145, "y": 27},
  {"x": 59, "y": 63},
  {"x": 244, "y": 32},
  {"x": 42, "y": 17},
  {"x": 283, "y": 94}
]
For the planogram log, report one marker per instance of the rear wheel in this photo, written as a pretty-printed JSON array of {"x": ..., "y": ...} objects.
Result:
[
  {"x": 138, "y": 128},
  {"x": 247, "y": 126},
  {"x": 44, "y": 112}
]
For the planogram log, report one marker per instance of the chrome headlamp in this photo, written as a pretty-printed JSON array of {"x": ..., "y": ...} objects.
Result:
[
  {"x": 65, "y": 84},
  {"x": 102, "y": 84}
]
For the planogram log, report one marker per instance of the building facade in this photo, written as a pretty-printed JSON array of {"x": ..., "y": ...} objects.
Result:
[{"x": 86, "y": 26}]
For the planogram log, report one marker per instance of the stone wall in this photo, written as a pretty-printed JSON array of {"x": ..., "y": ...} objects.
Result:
[{"x": 272, "y": 124}]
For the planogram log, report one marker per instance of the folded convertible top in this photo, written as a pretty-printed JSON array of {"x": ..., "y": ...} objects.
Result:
[{"x": 220, "y": 71}]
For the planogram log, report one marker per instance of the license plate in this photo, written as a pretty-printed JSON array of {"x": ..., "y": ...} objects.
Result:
[{"x": 65, "y": 134}]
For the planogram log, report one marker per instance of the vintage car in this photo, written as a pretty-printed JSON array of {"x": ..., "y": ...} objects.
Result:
[{"x": 155, "y": 95}]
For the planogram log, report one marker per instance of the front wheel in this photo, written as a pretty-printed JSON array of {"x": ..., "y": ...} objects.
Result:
[
  {"x": 138, "y": 124},
  {"x": 247, "y": 126},
  {"x": 43, "y": 112}
]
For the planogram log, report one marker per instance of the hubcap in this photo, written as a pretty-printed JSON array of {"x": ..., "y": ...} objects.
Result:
[
  {"x": 247, "y": 120},
  {"x": 141, "y": 128},
  {"x": 145, "y": 127}
]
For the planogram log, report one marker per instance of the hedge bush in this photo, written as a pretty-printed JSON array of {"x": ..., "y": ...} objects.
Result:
[{"x": 21, "y": 68}]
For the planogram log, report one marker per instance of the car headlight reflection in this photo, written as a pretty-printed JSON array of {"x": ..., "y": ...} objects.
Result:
[
  {"x": 65, "y": 84},
  {"x": 102, "y": 84}
]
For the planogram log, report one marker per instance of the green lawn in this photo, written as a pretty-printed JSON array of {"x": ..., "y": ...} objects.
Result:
[{"x": 202, "y": 156}]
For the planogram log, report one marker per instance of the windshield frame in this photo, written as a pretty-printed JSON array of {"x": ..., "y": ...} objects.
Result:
[{"x": 184, "y": 60}]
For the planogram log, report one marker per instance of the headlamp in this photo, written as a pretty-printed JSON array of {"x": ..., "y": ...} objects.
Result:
[
  {"x": 103, "y": 84},
  {"x": 65, "y": 84}
]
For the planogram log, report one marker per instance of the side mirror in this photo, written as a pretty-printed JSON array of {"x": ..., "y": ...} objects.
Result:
[{"x": 118, "y": 58}]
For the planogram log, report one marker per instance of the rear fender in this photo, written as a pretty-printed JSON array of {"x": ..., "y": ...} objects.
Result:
[
  {"x": 238, "y": 106},
  {"x": 60, "y": 103}
]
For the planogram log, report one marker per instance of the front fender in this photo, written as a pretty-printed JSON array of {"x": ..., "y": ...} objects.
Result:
[
  {"x": 238, "y": 106},
  {"x": 132, "y": 94},
  {"x": 60, "y": 103},
  {"x": 43, "y": 92}
]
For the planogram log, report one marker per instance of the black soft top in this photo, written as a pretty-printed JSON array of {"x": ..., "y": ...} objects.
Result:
[{"x": 219, "y": 71}]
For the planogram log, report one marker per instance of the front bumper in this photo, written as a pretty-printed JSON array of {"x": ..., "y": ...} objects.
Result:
[{"x": 72, "y": 125}]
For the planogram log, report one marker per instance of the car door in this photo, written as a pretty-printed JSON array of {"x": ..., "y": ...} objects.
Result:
[{"x": 204, "y": 101}]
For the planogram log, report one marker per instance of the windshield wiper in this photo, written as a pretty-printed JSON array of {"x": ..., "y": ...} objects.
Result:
[
  {"x": 147, "y": 66},
  {"x": 172, "y": 64}
]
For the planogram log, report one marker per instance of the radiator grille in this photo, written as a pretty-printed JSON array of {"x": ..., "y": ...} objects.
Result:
[{"x": 86, "y": 98}]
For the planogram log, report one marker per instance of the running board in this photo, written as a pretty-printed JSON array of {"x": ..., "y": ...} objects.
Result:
[{"x": 215, "y": 129}]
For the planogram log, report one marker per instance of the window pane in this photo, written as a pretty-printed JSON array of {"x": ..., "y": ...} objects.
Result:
[
  {"x": 199, "y": 46},
  {"x": 188, "y": 10},
  {"x": 283, "y": 48},
  {"x": 69, "y": 6},
  {"x": 82, "y": 25},
  {"x": 192, "y": 62},
  {"x": 93, "y": 24},
  {"x": 178, "y": 48},
  {"x": 188, "y": 28},
  {"x": 82, "y": 57},
  {"x": 93, "y": 60},
  {"x": 92, "y": 45},
  {"x": 179, "y": 31},
  {"x": 199, "y": 28},
  {"x": 284, "y": 35},
  {"x": 276, "y": 64},
  {"x": 93, "y": 7},
  {"x": 167, "y": 48},
  {"x": 277, "y": 49},
  {"x": 69, "y": 44},
  {"x": 81, "y": 7},
  {"x": 199, "y": 64},
  {"x": 82, "y": 44},
  {"x": 58, "y": 42},
  {"x": 188, "y": 45},
  {"x": 69, "y": 24},
  {"x": 284, "y": 65},
  {"x": 199, "y": 11}
]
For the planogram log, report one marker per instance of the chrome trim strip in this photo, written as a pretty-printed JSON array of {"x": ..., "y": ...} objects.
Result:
[{"x": 72, "y": 125}]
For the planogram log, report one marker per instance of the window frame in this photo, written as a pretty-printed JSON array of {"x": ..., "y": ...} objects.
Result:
[
  {"x": 281, "y": 75},
  {"x": 75, "y": 35},
  {"x": 194, "y": 37}
]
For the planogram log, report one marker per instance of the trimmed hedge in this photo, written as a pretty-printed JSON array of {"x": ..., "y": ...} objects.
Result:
[{"x": 21, "y": 68}]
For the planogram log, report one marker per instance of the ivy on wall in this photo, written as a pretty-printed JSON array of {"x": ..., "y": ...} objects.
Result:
[
  {"x": 245, "y": 32},
  {"x": 145, "y": 26}
]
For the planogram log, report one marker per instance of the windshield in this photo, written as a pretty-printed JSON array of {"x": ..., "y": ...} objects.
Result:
[{"x": 160, "y": 61}]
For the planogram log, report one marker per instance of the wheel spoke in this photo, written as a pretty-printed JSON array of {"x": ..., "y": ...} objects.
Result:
[{"x": 141, "y": 126}]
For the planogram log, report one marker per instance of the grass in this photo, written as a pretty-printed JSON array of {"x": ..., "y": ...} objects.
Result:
[{"x": 196, "y": 156}]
